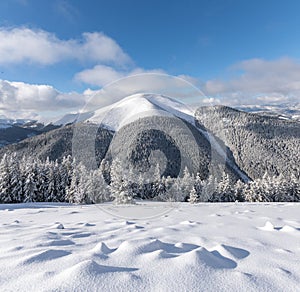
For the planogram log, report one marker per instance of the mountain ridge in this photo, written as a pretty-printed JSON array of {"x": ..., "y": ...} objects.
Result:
[{"x": 233, "y": 138}]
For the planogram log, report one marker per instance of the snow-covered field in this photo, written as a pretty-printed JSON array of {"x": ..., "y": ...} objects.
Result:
[{"x": 203, "y": 247}]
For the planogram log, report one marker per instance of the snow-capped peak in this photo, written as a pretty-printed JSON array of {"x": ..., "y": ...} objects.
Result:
[{"x": 138, "y": 106}]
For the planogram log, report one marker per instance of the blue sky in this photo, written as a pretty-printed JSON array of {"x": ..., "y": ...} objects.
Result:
[{"x": 236, "y": 51}]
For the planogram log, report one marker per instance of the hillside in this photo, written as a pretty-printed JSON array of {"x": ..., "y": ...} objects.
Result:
[{"x": 258, "y": 143}]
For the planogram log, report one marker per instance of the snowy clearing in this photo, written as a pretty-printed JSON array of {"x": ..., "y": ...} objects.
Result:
[{"x": 203, "y": 247}]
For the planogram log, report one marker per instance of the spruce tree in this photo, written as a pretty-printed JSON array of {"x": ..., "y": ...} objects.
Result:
[
  {"x": 5, "y": 179},
  {"x": 193, "y": 199},
  {"x": 119, "y": 186}
]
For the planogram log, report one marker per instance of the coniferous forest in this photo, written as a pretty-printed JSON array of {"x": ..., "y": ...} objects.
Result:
[{"x": 33, "y": 180}]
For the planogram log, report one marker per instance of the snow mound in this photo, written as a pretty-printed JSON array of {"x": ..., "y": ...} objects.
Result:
[
  {"x": 212, "y": 259},
  {"x": 89, "y": 268},
  {"x": 287, "y": 228},
  {"x": 267, "y": 227},
  {"x": 47, "y": 255},
  {"x": 102, "y": 248},
  {"x": 231, "y": 251},
  {"x": 59, "y": 226}
]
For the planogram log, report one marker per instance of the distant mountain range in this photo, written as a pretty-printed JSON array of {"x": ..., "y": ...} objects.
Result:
[
  {"x": 215, "y": 138},
  {"x": 14, "y": 131},
  {"x": 285, "y": 111}
]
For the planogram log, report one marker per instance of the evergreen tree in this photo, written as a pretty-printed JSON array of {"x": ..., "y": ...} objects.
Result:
[
  {"x": 5, "y": 179},
  {"x": 255, "y": 192},
  {"x": 42, "y": 181},
  {"x": 209, "y": 188},
  {"x": 81, "y": 196},
  {"x": 224, "y": 191},
  {"x": 72, "y": 190},
  {"x": 170, "y": 193},
  {"x": 193, "y": 199},
  {"x": 294, "y": 188},
  {"x": 30, "y": 187},
  {"x": 239, "y": 191},
  {"x": 119, "y": 186},
  {"x": 186, "y": 184},
  {"x": 97, "y": 189},
  {"x": 198, "y": 185},
  {"x": 52, "y": 189},
  {"x": 16, "y": 181}
]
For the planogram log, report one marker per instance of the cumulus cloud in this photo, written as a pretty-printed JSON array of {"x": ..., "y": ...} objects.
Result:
[
  {"x": 99, "y": 75},
  {"x": 30, "y": 99},
  {"x": 253, "y": 81},
  {"x": 19, "y": 99},
  {"x": 260, "y": 81},
  {"x": 23, "y": 44},
  {"x": 102, "y": 75}
]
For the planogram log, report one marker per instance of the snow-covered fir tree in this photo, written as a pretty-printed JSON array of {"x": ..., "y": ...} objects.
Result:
[
  {"x": 119, "y": 186},
  {"x": 97, "y": 189},
  {"x": 29, "y": 180},
  {"x": 186, "y": 183},
  {"x": 239, "y": 191},
  {"x": 30, "y": 189},
  {"x": 198, "y": 185},
  {"x": 5, "y": 180},
  {"x": 224, "y": 191},
  {"x": 170, "y": 193},
  {"x": 193, "y": 198},
  {"x": 72, "y": 189},
  {"x": 81, "y": 196},
  {"x": 209, "y": 188}
]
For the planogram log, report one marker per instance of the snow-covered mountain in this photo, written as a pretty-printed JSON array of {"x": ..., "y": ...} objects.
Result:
[
  {"x": 246, "y": 144},
  {"x": 130, "y": 109},
  {"x": 285, "y": 111},
  {"x": 133, "y": 128},
  {"x": 16, "y": 130},
  {"x": 259, "y": 143},
  {"x": 139, "y": 106},
  {"x": 6, "y": 122}
]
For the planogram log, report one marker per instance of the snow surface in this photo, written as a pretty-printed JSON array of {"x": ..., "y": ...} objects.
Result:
[{"x": 203, "y": 247}]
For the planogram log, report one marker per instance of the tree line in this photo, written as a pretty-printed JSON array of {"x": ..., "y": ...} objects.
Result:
[{"x": 32, "y": 180}]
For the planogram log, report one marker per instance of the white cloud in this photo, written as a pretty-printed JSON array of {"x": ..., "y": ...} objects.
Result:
[
  {"x": 30, "y": 99},
  {"x": 273, "y": 98},
  {"x": 102, "y": 75},
  {"x": 23, "y": 44},
  {"x": 254, "y": 81},
  {"x": 99, "y": 75},
  {"x": 20, "y": 100},
  {"x": 260, "y": 81}
]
